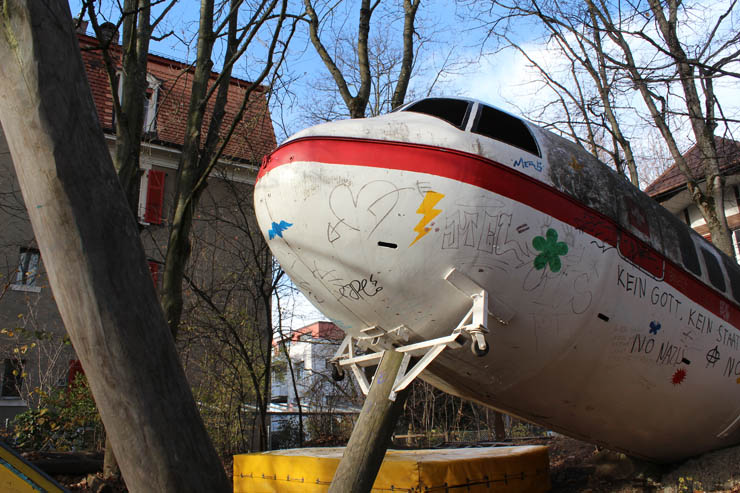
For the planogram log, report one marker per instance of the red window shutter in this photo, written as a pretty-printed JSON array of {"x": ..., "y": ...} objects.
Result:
[
  {"x": 75, "y": 367},
  {"x": 154, "y": 270},
  {"x": 154, "y": 197}
]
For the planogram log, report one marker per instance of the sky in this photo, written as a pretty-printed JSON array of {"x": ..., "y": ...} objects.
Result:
[{"x": 474, "y": 68}]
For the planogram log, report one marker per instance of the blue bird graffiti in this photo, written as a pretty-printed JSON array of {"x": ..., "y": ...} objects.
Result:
[{"x": 277, "y": 229}]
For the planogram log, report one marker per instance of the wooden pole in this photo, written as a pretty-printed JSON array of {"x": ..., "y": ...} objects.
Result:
[
  {"x": 90, "y": 245},
  {"x": 499, "y": 430},
  {"x": 372, "y": 432}
]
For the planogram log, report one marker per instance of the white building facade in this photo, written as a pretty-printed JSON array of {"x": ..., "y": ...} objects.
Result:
[{"x": 305, "y": 389}]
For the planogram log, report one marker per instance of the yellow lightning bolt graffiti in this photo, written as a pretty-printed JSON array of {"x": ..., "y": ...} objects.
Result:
[{"x": 427, "y": 209}]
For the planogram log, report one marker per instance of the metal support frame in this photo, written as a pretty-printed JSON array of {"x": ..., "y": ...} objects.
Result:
[
  {"x": 474, "y": 325},
  {"x": 427, "y": 350}
]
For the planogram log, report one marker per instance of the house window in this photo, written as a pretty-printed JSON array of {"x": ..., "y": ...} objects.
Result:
[
  {"x": 150, "y": 110},
  {"x": 28, "y": 268},
  {"x": 151, "y": 197},
  {"x": 75, "y": 368},
  {"x": 12, "y": 377},
  {"x": 150, "y": 101}
]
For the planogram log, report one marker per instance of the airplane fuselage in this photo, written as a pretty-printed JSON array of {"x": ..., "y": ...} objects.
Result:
[{"x": 609, "y": 319}]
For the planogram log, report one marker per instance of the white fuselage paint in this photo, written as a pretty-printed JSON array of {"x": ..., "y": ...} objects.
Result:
[{"x": 597, "y": 347}]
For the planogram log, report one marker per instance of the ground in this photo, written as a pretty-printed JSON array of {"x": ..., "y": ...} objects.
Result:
[{"x": 579, "y": 467}]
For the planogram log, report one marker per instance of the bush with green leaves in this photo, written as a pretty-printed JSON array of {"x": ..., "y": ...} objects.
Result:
[{"x": 66, "y": 419}]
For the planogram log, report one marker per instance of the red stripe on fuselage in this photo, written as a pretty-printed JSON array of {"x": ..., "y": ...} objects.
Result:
[{"x": 494, "y": 177}]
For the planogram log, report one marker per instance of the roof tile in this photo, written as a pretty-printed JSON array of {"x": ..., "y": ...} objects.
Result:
[
  {"x": 728, "y": 152},
  {"x": 253, "y": 137}
]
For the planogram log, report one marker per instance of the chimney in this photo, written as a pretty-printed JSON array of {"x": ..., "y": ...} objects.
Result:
[
  {"x": 108, "y": 33},
  {"x": 80, "y": 25}
]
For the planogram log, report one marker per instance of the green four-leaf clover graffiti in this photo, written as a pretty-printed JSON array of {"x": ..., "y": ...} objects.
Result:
[{"x": 551, "y": 250}]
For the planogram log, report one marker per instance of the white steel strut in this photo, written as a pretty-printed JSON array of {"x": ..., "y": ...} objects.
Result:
[{"x": 473, "y": 325}]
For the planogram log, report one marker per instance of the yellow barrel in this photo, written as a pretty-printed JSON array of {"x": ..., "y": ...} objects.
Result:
[{"x": 476, "y": 470}]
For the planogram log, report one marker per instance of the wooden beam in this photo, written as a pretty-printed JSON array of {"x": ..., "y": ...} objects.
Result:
[
  {"x": 372, "y": 432},
  {"x": 90, "y": 245}
]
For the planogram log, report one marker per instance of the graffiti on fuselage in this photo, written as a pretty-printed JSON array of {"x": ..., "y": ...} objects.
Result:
[
  {"x": 686, "y": 336},
  {"x": 485, "y": 229},
  {"x": 361, "y": 209}
]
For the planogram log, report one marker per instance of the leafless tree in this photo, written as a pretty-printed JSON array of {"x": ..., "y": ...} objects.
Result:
[
  {"x": 238, "y": 28},
  {"x": 573, "y": 66},
  {"x": 127, "y": 75},
  {"x": 684, "y": 70},
  {"x": 232, "y": 281},
  {"x": 202, "y": 151},
  {"x": 370, "y": 66},
  {"x": 654, "y": 50},
  {"x": 62, "y": 161},
  {"x": 210, "y": 125}
]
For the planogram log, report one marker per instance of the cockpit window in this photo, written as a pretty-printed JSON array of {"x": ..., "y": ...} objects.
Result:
[
  {"x": 505, "y": 128},
  {"x": 453, "y": 111}
]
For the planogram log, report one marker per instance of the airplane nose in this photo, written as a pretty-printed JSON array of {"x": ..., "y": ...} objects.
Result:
[{"x": 352, "y": 237}]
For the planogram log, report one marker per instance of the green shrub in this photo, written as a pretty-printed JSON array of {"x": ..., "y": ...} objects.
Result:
[{"x": 66, "y": 419}]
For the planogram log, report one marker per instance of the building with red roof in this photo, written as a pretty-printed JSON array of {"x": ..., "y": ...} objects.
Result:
[
  {"x": 670, "y": 190},
  {"x": 327, "y": 407},
  {"x": 168, "y": 97},
  {"x": 27, "y": 307}
]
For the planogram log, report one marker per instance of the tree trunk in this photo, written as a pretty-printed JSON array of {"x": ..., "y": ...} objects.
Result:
[
  {"x": 110, "y": 464},
  {"x": 133, "y": 86},
  {"x": 186, "y": 196},
  {"x": 702, "y": 123},
  {"x": 191, "y": 169},
  {"x": 356, "y": 105},
  {"x": 407, "y": 62},
  {"x": 709, "y": 201},
  {"x": 129, "y": 127},
  {"x": 97, "y": 268}
]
